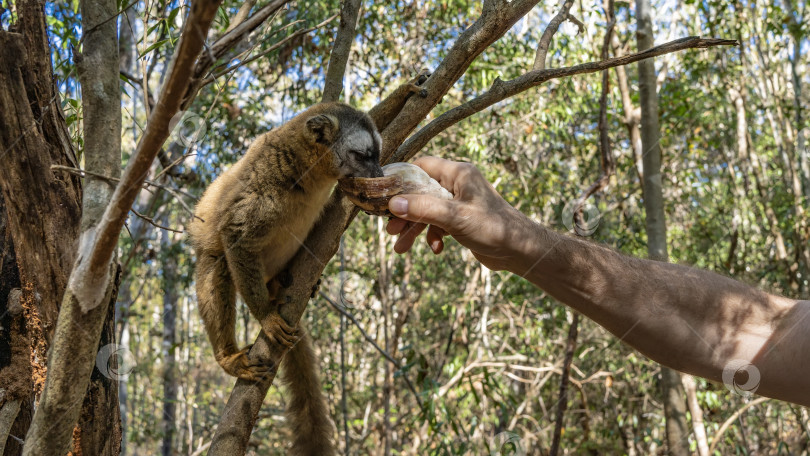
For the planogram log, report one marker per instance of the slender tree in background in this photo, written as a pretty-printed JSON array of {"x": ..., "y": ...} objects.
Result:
[
  {"x": 169, "y": 344},
  {"x": 672, "y": 391}
]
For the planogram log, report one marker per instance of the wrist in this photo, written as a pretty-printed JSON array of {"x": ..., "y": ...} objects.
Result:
[{"x": 533, "y": 248}]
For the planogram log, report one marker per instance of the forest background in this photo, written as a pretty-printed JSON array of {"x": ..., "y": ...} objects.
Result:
[{"x": 424, "y": 354}]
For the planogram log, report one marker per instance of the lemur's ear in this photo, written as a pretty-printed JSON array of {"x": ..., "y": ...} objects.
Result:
[{"x": 322, "y": 129}]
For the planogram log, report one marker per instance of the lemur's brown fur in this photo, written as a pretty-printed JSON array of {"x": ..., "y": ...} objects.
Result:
[{"x": 252, "y": 220}]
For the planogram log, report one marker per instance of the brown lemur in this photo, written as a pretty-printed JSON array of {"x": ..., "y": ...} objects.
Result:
[{"x": 252, "y": 220}]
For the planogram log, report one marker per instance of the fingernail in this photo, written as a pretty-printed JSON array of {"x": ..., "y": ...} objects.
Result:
[
  {"x": 398, "y": 205},
  {"x": 435, "y": 246}
]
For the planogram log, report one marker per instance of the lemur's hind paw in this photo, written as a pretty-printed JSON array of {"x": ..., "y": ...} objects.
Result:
[
  {"x": 239, "y": 365},
  {"x": 279, "y": 331}
]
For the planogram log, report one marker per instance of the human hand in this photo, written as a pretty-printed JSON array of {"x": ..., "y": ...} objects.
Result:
[{"x": 477, "y": 216}]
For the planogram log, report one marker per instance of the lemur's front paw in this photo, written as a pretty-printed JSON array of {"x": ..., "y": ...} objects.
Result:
[
  {"x": 315, "y": 289},
  {"x": 417, "y": 81},
  {"x": 282, "y": 280},
  {"x": 279, "y": 331},
  {"x": 239, "y": 365}
]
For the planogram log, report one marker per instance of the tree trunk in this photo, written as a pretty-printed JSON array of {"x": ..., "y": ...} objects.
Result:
[
  {"x": 169, "y": 341},
  {"x": 99, "y": 414},
  {"x": 16, "y": 393},
  {"x": 43, "y": 214},
  {"x": 671, "y": 387}
]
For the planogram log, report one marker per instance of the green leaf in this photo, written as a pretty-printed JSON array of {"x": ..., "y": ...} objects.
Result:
[{"x": 154, "y": 46}]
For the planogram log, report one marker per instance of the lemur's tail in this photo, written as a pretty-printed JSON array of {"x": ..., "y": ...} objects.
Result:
[{"x": 307, "y": 412}]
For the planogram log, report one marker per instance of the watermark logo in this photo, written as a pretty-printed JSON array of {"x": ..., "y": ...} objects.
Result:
[
  {"x": 115, "y": 362},
  {"x": 187, "y": 128},
  {"x": 581, "y": 217},
  {"x": 349, "y": 290},
  {"x": 741, "y": 377},
  {"x": 506, "y": 444}
]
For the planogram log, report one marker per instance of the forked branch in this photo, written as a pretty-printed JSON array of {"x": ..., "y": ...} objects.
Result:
[{"x": 548, "y": 34}]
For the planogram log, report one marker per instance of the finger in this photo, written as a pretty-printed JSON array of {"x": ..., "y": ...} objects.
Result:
[
  {"x": 425, "y": 209},
  {"x": 407, "y": 237},
  {"x": 446, "y": 172},
  {"x": 434, "y": 239},
  {"x": 396, "y": 225}
]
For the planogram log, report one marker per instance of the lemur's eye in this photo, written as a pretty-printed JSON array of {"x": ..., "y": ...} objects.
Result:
[{"x": 360, "y": 154}]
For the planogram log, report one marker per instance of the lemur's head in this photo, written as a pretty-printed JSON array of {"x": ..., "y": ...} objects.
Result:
[{"x": 352, "y": 138}]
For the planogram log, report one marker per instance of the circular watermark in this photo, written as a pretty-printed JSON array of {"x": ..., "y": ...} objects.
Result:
[
  {"x": 506, "y": 444},
  {"x": 187, "y": 128},
  {"x": 581, "y": 217},
  {"x": 348, "y": 289},
  {"x": 115, "y": 362},
  {"x": 741, "y": 377}
]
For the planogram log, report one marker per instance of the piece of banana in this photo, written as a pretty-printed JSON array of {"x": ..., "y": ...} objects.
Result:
[{"x": 373, "y": 193}]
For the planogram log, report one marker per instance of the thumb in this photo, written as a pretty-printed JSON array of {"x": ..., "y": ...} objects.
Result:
[{"x": 425, "y": 209}]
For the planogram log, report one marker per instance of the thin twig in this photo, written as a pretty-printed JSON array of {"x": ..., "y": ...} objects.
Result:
[
  {"x": 577, "y": 22},
  {"x": 372, "y": 342},
  {"x": 152, "y": 222},
  {"x": 548, "y": 34},
  {"x": 132, "y": 78},
  {"x": 176, "y": 162},
  {"x": 211, "y": 78},
  {"x": 146, "y": 183},
  {"x": 730, "y": 421}
]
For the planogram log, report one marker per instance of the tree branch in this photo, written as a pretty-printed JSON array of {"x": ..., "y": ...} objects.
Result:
[
  {"x": 241, "y": 15},
  {"x": 497, "y": 17},
  {"x": 211, "y": 78},
  {"x": 502, "y": 90},
  {"x": 333, "y": 85},
  {"x": 562, "y": 402},
  {"x": 189, "y": 48},
  {"x": 234, "y": 36},
  {"x": 548, "y": 34}
]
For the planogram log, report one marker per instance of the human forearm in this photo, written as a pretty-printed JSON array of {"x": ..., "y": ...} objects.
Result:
[
  {"x": 688, "y": 319},
  {"x": 692, "y": 320}
]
